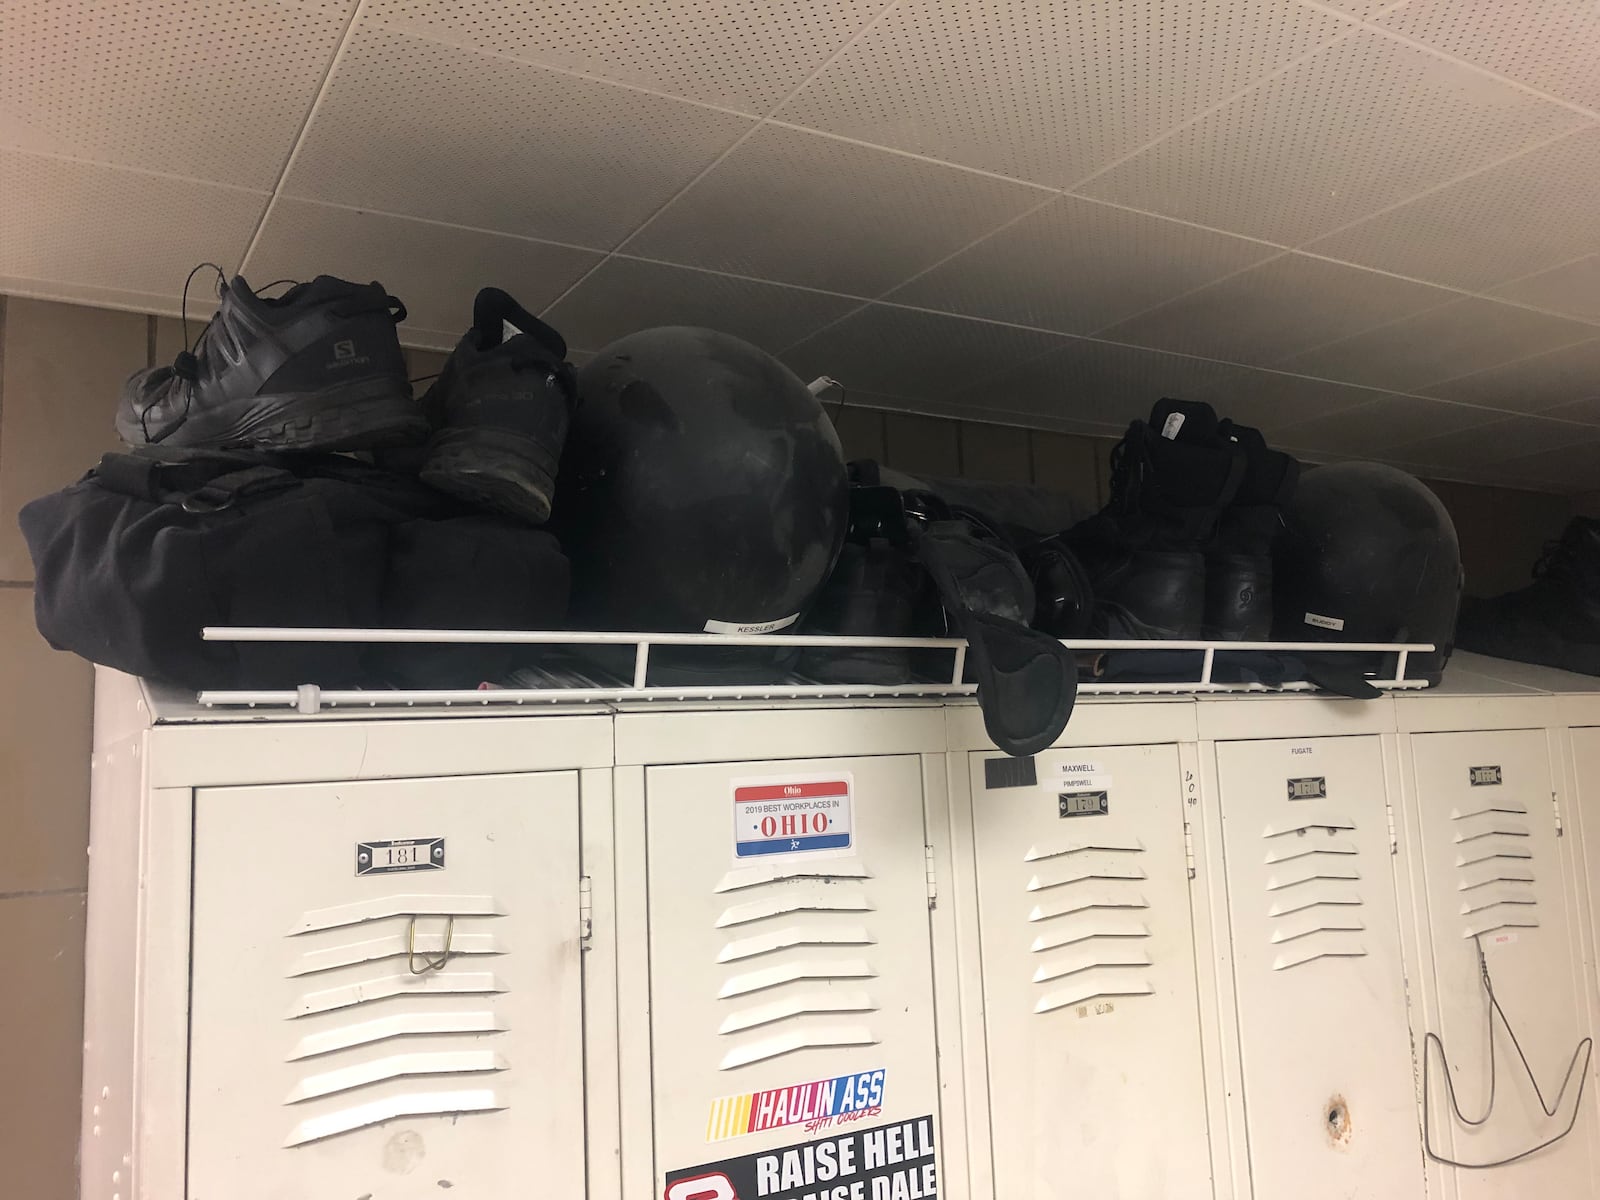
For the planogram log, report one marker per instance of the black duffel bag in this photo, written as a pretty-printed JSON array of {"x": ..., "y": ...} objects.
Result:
[{"x": 132, "y": 561}]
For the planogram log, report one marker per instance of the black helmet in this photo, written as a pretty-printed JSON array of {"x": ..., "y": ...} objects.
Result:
[
  {"x": 1369, "y": 555},
  {"x": 702, "y": 488}
]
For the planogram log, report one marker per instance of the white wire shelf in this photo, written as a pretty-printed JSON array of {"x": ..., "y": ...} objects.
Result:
[{"x": 583, "y": 682}]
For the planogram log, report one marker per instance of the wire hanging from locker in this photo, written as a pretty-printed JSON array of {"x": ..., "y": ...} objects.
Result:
[{"x": 1584, "y": 1049}]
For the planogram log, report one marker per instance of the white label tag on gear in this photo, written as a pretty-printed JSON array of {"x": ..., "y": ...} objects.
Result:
[
  {"x": 1170, "y": 427},
  {"x": 1322, "y": 622},
  {"x": 761, "y": 627},
  {"x": 508, "y": 331}
]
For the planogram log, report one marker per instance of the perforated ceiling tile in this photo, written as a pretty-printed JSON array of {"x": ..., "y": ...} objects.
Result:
[
  {"x": 1530, "y": 385},
  {"x": 1078, "y": 266},
  {"x": 1273, "y": 401},
  {"x": 903, "y": 352},
  {"x": 1571, "y": 467},
  {"x": 1585, "y": 411},
  {"x": 435, "y": 269},
  {"x": 1550, "y": 45},
  {"x": 1048, "y": 90},
  {"x": 625, "y": 295},
  {"x": 70, "y": 223},
  {"x": 1572, "y": 288},
  {"x": 1382, "y": 426},
  {"x": 1363, "y": 124},
  {"x": 803, "y": 208},
  {"x": 1463, "y": 336},
  {"x": 1086, "y": 380},
  {"x": 214, "y": 90},
  {"x": 429, "y": 130},
  {"x": 1531, "y": 213},
  {"x": 1497, "y": 442},
  {"x": 1281, "y": 307},
  {"x": 747, "y": 54}
]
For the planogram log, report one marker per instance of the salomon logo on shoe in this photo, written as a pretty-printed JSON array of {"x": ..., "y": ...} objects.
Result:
[{"x": 345, "y": 356}]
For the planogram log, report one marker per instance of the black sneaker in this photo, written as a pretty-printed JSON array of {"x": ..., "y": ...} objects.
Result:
[
  {"x": 1554, "y": 621},
  {"x": 1239, "y": 560},
  {"x": 1144, "y": 553},
  {"x": 500, "y": 411},
  {"x": 318, "y": 368}
]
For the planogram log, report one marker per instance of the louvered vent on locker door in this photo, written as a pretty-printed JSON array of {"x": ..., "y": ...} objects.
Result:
[
  {"x": 1314, "y": 890},
  {"x": 795, "y": 965},
  {"x": 1090, "y": 932},
  {"x": 354, "y": 967},
  {"x": 1494, "y": 868}
]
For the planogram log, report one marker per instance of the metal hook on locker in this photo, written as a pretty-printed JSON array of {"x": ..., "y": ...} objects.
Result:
[
  {"x": 428, "y": 964},
  {"x": 1580, "y": 1056}
]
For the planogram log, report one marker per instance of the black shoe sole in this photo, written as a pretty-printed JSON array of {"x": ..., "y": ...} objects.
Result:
[
  {"x": 495, "y": 469},
  {"x": 366, "y": 414}
]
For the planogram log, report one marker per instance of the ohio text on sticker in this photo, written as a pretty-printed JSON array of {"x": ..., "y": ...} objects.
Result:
[
  {"x": 816, "y": 1105},
  {"x": 889, "y": 1162},
  {"x": 792, "y": 816}
]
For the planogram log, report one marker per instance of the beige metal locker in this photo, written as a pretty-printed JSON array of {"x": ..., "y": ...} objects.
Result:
[
  {"x": 1089, "y": 990},
  {"x": 386, "y": 990},
  {"x": 791, "y": 973},
  {"x": 1330, "y": 1107},
  {"x": 1496, "y": 876}
]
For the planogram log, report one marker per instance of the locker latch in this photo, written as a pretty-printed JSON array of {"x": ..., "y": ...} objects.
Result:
[
  {"x": 1394, "y": 838},
  {"x": 1188, "y": 848},
  {"x": 933, "y": 888},
  {"x": 585, "y": 911}
]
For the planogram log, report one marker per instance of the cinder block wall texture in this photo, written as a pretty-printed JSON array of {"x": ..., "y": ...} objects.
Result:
[{"x": 60, "y": 370}]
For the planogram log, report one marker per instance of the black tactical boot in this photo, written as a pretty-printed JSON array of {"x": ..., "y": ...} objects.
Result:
[
  {"x": 1144, "y": 552},
  {"x": 1554, "y": 621},
  {"x": 1239, "y": 563},
  {"x": 318, "y": 368},
  {"x": 500, "y": 410}
]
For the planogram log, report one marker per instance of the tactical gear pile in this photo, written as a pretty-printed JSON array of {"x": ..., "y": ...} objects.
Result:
[
  {"x": 232, "y": 506},
  {"x": 1555, "y": 620},
  {"x": 281, "y": 473}
]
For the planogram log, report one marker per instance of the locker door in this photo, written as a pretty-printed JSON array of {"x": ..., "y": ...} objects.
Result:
[
  {"x": 1495, "y": 877},
  {"x": 790, "y": 956},
  {"x": 1091, "y": 1013},
  {"x": 1330, "y": 1107},
  {"x": 1586, "y": 752},
  {"x": 393, "y": 1021}
]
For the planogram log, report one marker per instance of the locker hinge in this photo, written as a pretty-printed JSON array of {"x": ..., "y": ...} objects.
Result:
[
  {"x": 585, "y": 911},
  {"x": 1394, "y": 839},
  {"x": 1555, "y": 803},
  {"x": 1188, "y": 848},
  {"x": 933, "y": 883}
]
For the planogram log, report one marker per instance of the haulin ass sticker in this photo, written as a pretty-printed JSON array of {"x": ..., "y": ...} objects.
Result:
[{"x": 816, "y": 1105}]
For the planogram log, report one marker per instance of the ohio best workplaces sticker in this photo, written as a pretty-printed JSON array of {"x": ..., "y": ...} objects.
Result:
[{"x": 889, "y": 1162}]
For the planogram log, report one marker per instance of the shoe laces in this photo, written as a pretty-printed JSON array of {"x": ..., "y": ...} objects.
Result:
[{"x": 186, "y": 363}]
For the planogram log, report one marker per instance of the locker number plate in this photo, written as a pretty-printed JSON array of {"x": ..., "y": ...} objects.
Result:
[
  {"x": 1485, "y": 776},
  {"x": 1314, "y": 787},
  {"x": 1083, "y": 804},
  {"x": 409, "y": 854}
]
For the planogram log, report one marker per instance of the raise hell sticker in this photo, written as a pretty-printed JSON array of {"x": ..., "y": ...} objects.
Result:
[{"x": 888, "y": 1162}]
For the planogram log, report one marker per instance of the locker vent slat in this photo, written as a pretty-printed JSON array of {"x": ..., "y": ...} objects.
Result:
[
  {"x": 396, "y": 1066},
  {"x": 364, "y": 1033},
  {"x": 380, "y": 907},
  {"x": 441, "y": 1037},
  {"x": 1313, "y": 886},
  {"x": 375, "y": 1112},
  {"x": 783, "y": 986},
  {"x": 822, "y": 1038},
  {"x": 1102, "y": 845},
  {"x": 790, "y": 936},
  {"x": 1494, "y": 868},
  {"x": 1096, "y": 942},
  {"x": 831, "y": 1001},
  {"x": 393, "y": 945}
]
